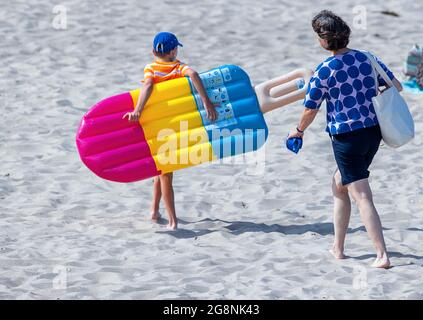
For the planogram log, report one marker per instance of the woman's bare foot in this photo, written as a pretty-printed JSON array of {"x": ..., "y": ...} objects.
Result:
[
  {"x": 155, "y": 216},
  {"x": 337, "y": 253},
  {"x": 172, "y": 226},
  {"x": 382, "y": 262}
]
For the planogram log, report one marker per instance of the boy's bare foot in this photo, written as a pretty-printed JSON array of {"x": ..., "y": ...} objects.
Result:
[
  {"x": 337, "y": 253},
  {"x": 382, "y": 262},
  {"x": 155, "y": 216}
]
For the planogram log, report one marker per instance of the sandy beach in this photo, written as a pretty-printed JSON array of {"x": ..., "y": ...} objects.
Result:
[{"x": 244, "y": 233}]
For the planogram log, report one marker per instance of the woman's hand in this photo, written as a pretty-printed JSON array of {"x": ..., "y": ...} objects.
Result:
[
  {"x": 295, "y": 134},
  {"x": 132, "y": 116}
]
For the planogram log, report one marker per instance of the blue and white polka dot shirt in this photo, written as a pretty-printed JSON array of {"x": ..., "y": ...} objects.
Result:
[{"x": 346, "y": 82}]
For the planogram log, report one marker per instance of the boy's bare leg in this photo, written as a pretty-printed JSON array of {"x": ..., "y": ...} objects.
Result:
[
  {"x": 341, "y": 215},
  {"x": 362, "y": 194},
  {"x": 157, "y": 194},
  {"x": 168, "y": 198}
]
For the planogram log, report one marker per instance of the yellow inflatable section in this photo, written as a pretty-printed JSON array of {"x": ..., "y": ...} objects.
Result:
[{"x": 173, "y": 126}]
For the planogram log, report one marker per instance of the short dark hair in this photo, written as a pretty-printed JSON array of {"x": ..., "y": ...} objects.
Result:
[
  {"x": 161, "y": 54},
  {"x": 331, "y": 28}
]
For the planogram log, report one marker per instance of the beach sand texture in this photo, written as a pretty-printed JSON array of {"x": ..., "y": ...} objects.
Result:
[{"x": 246, "y": 231}]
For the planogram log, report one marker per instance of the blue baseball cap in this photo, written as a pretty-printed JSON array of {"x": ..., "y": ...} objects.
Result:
[{"x": 165, "y": 42}]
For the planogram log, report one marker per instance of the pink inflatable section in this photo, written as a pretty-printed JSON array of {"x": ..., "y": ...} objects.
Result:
[{"x": 114, "y": 148}]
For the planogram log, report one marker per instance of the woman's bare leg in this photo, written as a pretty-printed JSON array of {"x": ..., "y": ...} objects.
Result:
[
  {"x": 169, "y": 198},
  {"x": 341, "y": 215},
  {"x": 157, "y": 194},
  {"x": 362, "y": 194}
]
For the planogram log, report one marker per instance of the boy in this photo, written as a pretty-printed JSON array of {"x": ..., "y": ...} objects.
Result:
[{"x": 167, "y": 67}]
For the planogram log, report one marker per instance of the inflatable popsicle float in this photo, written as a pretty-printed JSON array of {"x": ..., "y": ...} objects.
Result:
[{"x": 173, "y": 132}]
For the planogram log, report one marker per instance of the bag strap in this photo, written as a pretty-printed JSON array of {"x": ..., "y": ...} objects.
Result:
[{"x": 378, "y": 70}]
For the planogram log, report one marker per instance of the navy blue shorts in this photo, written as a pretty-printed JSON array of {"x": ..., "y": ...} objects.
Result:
[{"x": 354, "y": 152}]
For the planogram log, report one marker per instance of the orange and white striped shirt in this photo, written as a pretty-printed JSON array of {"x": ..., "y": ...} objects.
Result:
[{"x": 161, "y": 71}]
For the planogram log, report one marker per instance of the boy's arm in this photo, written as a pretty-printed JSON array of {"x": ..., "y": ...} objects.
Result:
[
  {"x": 145, "y": 94},
  {"x": 208, "y": 105}
]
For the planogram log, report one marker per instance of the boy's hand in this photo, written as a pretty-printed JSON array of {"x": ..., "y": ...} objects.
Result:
[
  {"x": 210, "y": 110},
  {"x": 208, "y": 105},
  {"x": 132, "y": 116}
]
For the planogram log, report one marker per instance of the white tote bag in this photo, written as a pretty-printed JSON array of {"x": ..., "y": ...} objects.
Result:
[{"x": 395, "y": 120}]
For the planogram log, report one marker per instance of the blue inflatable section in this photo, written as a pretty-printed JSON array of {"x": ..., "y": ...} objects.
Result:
[
  {"x": 412, "y": 86},
  {"x": 240, "y": 126}
]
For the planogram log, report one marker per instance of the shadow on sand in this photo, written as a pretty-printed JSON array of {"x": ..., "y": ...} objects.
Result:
[
  {"x": 390, "y": 254},
  {"x": 240, "y": 227}
]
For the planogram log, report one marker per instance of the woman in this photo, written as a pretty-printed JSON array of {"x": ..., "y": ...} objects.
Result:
[{"x": 346, "y": 82}]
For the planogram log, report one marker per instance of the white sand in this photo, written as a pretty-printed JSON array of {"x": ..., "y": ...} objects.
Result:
[{"x": 241, "y": 236}]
